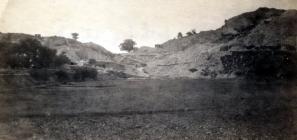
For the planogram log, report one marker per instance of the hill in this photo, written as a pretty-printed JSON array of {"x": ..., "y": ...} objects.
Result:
[
  {"x": 258, "y": 43},
  {"x": 77, "y": 51},
  {"x": 74, "y": 50}
]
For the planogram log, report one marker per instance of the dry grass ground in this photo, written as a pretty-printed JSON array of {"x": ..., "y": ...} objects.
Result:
[{"x": 151, "y": 109}]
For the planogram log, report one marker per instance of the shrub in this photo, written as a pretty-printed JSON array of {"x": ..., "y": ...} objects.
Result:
[
  {"x": 62, "y": 75},
  {"x": 193, "y": 70},
  {"x": 208, "y": 72},
  {"x": 29, "y": 53},
  {"x": 40, "y": 74},
  {"x": 92, "y": 61},
  {"x": 83, "y": 73},
  {"x": 189, "y": 33},
  {"x": 3, "y": 53},
  {"x": 60, "y": 60}
]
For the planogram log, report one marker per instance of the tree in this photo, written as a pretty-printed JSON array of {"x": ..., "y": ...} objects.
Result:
[
  {"x": 127, "y": 45},
  {"x": 75, "y": 36},
  {"x": 179, "y": 35},
  {"x": 189, "y": 33},
  {"x": 29, "y": 53},
  {"x": 60, "y": 60}
]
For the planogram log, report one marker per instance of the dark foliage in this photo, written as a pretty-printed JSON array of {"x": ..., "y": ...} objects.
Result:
[
  {"x": 40, "y": 74},
  {"x": 189, "y": 34},
  {"x": 128, "y": 45},
  {"x": 84, "y": 73},
  {"x": 261, "y": 64},
  {"x": 92, "y": 61},
  {"x": 62, "y": 76},
  {"x": 179, "y": 35},
  {"x": 60, "y": 60},
  {"x": 193, "y": 70},
  {"x": 29, "y": 53},
  {"x": 75, "y": 36},
  {"x": 208, "y": 72}
]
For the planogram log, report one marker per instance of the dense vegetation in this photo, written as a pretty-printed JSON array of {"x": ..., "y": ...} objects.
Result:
[
  {"x": 76, "y": 74},
  {"x": 43, "y": 63},
  {"x": 29, "y": 53}
]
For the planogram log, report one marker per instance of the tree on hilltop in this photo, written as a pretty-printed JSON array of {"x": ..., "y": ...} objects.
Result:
[
  {"x": 194, "y": 31},
  {"x": 179, "y": 35},
  {"x": 128, "y": 45},
  {"x": 189, "y": 33},
  {"x": 75, "y": 36}
]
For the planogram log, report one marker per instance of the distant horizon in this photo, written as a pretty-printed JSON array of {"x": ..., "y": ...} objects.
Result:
[{"x": 108, "y": 22}]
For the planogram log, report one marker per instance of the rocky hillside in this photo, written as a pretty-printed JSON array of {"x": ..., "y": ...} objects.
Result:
[
  {"x": 81, "y": 54},
  {"x": 76, "y": 51},
  {"x": 258, "y": 43}
]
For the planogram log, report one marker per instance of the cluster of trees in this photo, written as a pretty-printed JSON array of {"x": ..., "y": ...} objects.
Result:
[
  {"x": 190, "y": 33},
  {"x": 29, "y": 53}
]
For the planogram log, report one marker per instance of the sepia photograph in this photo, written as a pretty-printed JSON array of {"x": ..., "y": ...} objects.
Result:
[{"x": 148, "y": 69}]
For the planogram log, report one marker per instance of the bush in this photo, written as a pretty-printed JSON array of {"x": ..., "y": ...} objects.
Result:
[
  {"x": 189, "y": 34},
  {"x": 3, "y": 52},
  {"x": 83, "y": 73},
  {"x": 193, "y": 70},
  {"x": 62, "y": 76},
  {"x": 208, "y": 72},
  {"x": 29, "y": 53},
  {"x": 40, "y": 74},
  {"x": 60, "y": 60},
  {"x": 92, "y": 61}
]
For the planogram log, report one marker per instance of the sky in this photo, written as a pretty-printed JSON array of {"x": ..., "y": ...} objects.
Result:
[{"x": 109, "y": 22}]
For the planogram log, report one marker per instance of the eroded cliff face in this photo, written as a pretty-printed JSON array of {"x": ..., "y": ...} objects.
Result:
[{"x": 259, "y": 43}]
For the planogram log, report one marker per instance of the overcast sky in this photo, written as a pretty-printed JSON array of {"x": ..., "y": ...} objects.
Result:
[{"x": 109, "y": 22}]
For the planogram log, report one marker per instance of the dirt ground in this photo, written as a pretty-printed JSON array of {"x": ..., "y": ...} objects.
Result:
[{"x": 150, "y": 109}]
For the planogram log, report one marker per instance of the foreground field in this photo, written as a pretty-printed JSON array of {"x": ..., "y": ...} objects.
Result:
[{"x": 150, "y": 109}]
